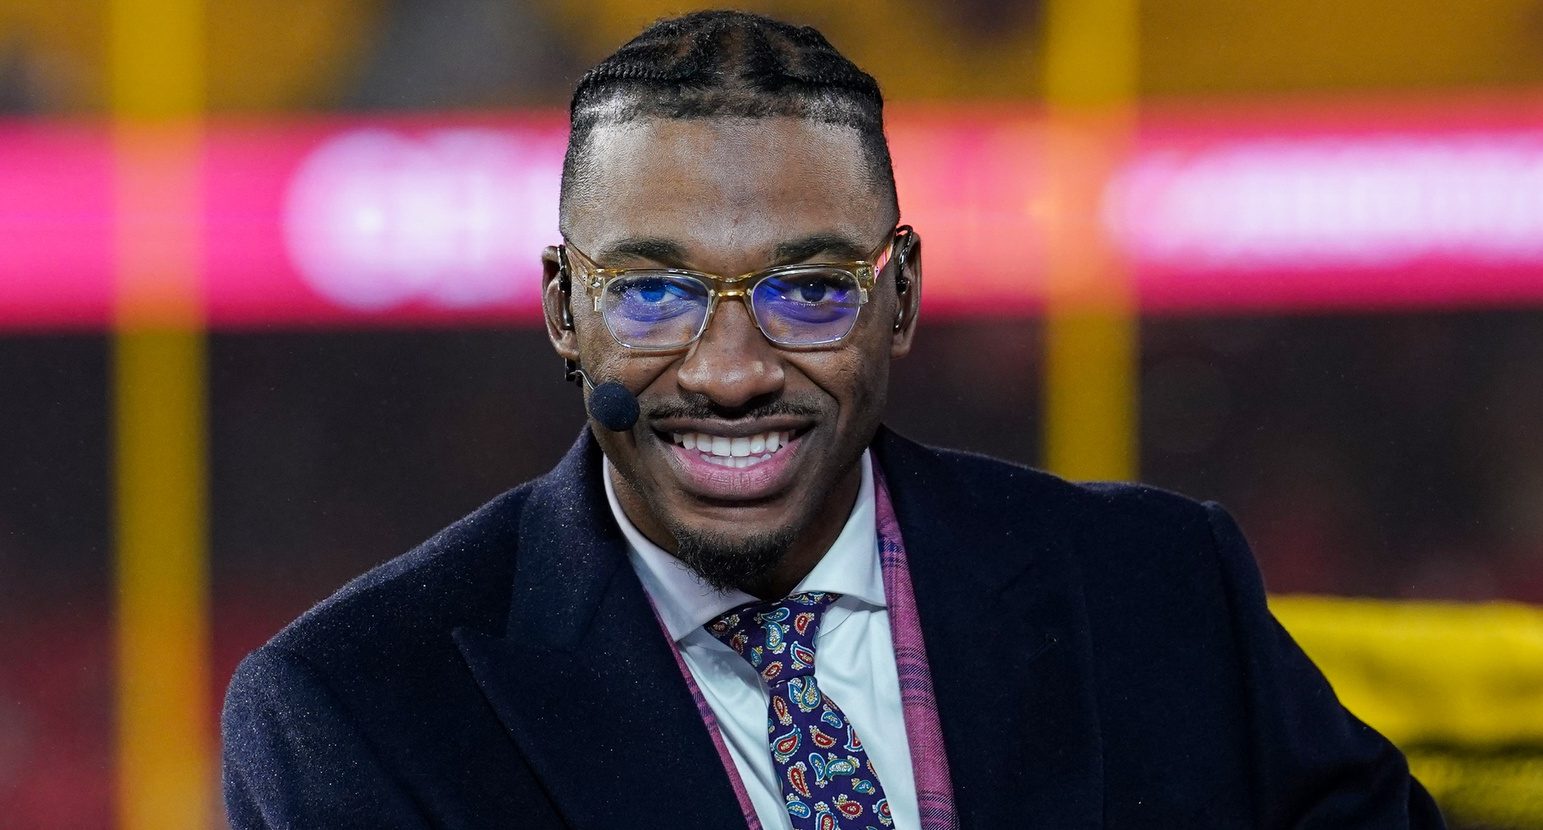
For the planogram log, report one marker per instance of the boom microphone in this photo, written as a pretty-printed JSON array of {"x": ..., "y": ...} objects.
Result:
[
  {"x": 613, "y": 406},
  {"x": 610, "y": 403}
]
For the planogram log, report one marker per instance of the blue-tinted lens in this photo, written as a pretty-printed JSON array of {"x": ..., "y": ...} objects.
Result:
[
  {"x": 655, "y": 309},
  {"x": 807, "y": 306}
]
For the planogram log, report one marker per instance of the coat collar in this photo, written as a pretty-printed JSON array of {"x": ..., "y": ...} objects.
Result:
[{"x": 584, "y": 680}]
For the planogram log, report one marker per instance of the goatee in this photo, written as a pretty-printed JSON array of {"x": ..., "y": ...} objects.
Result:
[{"x": 725, "y": 564}]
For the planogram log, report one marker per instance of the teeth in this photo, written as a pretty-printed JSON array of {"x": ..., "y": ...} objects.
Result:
[
  {"x": 738, "y": 453},
  {"x": 734, "y": 463}
]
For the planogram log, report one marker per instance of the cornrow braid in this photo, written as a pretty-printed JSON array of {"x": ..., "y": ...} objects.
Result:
[{"x": 728, "y": 64}]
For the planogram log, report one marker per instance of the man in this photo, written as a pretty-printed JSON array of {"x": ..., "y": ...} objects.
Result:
[{"x": 631, "y": 640}]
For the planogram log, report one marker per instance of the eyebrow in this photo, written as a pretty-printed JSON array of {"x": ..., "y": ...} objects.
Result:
[
  {"x": 652, "y": 249},
  {"x": 806, "y": 247},
  {"x": 672, "y": 254}
]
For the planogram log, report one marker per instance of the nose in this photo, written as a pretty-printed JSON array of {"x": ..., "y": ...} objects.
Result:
[{"x": 732, "y": 363}]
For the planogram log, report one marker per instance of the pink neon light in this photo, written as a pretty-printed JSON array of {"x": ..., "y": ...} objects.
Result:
[
  {"x": 56, "y": 206},
  {"x": 440, "y": 220},
  {"x": 405, "y": 222},
  {"x": 1381, "y": 220},
  {"x": 1359, "y": 205}
]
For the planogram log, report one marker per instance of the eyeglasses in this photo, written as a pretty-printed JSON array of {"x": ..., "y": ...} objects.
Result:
[{"x": 663, "y": 309}]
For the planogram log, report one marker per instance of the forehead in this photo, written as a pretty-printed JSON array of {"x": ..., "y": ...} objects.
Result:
[{"x": 726, "y": 190}]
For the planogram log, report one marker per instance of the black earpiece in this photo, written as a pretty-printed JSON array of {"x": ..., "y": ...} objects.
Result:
[
  {"x": 565, "y": 287},
  {"x": 571, "y": 370},
  {"x": 902, "y": 258}
]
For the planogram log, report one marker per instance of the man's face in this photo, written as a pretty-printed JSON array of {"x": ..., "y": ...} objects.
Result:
[{"x": 728, "y": 197}]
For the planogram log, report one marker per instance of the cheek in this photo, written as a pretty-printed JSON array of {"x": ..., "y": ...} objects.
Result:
[
  {"x": 871, "y": 391},
  {"x": 602, "y": 357},
  {"x": 643, "y": 374},
  {"x": 871, "y": 351},
  {"x": 855, "y": 378},
  {"x": 869, "y": 383}
]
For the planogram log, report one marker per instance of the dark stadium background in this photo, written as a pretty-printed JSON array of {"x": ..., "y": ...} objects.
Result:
[{"x": 1386, "y": 455}]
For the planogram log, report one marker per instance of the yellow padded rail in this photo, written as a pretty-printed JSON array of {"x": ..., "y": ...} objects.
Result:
[
  {"x": 1458, "y": 686},
  {"x": 1428, "y": 672}
]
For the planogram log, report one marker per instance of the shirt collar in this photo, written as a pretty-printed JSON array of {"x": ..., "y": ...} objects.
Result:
[{"x": 849, "y": 567}]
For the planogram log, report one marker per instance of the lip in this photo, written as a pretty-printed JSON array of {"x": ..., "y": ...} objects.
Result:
[{"x": 727, "y": 484}]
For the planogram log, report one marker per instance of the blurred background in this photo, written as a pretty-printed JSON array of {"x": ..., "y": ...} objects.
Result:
[{"x": 268, "y": 317}]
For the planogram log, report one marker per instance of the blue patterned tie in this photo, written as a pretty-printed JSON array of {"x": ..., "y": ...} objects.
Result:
[{"x": 827, "y": 779}]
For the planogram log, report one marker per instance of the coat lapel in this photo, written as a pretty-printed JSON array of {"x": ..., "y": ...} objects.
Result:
[
  {"x": 1005, "y": 628},
  {"x": 584, "y": 679}
]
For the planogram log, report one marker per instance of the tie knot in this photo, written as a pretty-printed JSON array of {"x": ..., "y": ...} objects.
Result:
[{"x": 777, "y": 638}]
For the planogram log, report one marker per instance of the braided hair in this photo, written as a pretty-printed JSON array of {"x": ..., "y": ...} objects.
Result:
[{"x": 728, "y": 64}]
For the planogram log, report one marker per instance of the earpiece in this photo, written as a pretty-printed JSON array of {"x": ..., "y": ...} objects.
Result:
[
  {"x": 565, "y": 287},
  {"x": 903, "y": 282}
]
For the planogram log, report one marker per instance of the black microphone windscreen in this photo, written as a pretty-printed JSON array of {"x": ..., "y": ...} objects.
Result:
[{"x": 613, "y": 406}]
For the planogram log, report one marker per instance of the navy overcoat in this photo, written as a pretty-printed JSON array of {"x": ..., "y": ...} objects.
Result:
[{"x": 1102, "y": 657}]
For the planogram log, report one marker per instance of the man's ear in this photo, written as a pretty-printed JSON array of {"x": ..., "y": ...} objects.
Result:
[
  {"x": 908, "y": 298},
  {"x": 556, "y": 303}
]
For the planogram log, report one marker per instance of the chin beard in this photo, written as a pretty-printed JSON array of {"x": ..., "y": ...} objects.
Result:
[{"x": 726, "y": 563}]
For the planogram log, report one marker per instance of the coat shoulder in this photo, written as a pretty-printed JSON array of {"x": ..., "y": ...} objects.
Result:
[
  {"x": 362, "y": 712},
  {"x": 1127, "y": 547},
  {"x": 1110, "y": 512}
]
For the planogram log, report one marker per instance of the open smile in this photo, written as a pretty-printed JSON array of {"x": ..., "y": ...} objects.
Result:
[
  {"x": 739, "y": 452},
  {"x": 714, "y": 464}
]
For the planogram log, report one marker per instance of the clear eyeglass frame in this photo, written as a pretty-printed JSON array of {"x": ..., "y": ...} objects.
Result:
[{"x": 865, "y": 272}]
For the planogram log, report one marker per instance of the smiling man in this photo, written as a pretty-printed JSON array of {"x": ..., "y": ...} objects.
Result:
[
  {"x": 739, "y": 601},
  {"x": 759, "y": 393}
]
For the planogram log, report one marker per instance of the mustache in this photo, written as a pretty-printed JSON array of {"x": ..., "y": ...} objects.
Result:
[{"x": 701, "y": 408}]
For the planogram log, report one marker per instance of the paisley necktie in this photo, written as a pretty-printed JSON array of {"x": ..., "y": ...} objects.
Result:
[{"x": 826, "y": 777}]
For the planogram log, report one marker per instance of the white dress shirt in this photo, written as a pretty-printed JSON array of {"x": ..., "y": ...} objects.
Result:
[{"x": 854, "y": 657}]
